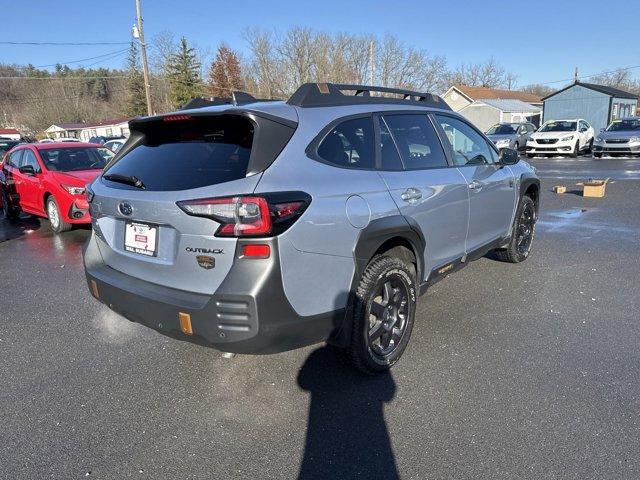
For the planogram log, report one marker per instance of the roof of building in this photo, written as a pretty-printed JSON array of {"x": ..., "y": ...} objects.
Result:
[
  {"x": 9, "y": 131},
  {"x": 106, "y": 123},
  {"x": 611, "y": 91},
  {"x": 476, "y": 93},
  {"x": 507, "y": 105},
  {"x": 69, "y": 126}
]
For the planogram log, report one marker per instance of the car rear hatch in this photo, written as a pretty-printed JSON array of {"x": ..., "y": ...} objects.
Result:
[{"x": 140, "y": 228}]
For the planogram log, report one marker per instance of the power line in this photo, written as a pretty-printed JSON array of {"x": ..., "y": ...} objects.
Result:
[
  {"x": 66, "y": 78},
  {"x": 590, "y": 75},
  {"x": 73, "y": 97},
  {"x": 64, "y": 43},
  {"x": 83, "y": 59},
  {"x": 115, "y": 55}
]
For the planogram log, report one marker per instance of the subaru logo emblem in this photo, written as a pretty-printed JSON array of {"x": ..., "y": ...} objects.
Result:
[{"x": 125, "y": 208}]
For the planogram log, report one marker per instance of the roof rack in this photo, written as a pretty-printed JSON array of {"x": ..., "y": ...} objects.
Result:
[
  {"x": 237, "y": 98},
  {"x": 331, "y": 94}
]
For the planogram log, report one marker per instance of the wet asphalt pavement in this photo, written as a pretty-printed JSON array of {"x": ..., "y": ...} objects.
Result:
[{"x": 526, "y": 371}]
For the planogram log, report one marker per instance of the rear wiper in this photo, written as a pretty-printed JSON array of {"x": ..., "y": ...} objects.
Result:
[{"x": 126, "y": 179}]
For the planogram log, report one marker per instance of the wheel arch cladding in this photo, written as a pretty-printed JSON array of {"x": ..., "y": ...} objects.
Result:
[
  {"x": 530, "y": 186},
  {"x": 389, "y": 233}
]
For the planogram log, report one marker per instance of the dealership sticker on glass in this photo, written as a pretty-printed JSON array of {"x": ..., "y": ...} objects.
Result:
[{"x": 141, "y": 238}]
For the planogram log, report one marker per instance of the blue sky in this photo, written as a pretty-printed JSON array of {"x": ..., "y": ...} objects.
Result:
[{"x": 540, "y": 41}]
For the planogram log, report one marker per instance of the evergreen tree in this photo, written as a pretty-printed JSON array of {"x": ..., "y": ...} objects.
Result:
[
  {"x": 225, "y": 74},
  {"x": 183, "y": 70},
  {"x": 136, "y": 101}
]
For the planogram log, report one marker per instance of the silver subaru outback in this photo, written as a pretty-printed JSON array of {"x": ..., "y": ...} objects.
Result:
[{"x": 262, "y": 226}]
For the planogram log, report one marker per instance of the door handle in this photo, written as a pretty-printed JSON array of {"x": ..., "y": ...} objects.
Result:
[
  {"x": 411, "y": 195},
  {"x": 476, "y": 186}
]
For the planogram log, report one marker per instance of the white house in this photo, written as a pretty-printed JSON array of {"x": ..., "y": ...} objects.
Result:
[
  {"x": 10, "y": 133},
  {"x": 118, "y": 127},
  {"x": 487, "y": 112},
  {"x": 459, "y": 96},
  {"x": 64, "y": 130}
]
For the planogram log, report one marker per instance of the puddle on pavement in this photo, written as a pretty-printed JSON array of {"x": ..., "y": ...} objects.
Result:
[{"x": 571, "y": 213}]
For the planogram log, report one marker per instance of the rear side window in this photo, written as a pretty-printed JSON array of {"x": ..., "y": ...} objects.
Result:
[
  {"x": 181, "y": 155},
  {"x": 349, "y": 144},
  {"x": 417, "y": 141}
]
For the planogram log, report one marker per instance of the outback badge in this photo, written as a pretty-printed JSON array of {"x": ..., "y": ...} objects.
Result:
[{"x": 206, "y": 262}]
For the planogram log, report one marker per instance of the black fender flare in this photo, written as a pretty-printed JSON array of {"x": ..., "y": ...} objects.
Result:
[{"x": 525, "y": 182}]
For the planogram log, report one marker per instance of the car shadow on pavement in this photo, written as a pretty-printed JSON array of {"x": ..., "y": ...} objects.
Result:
[
  {"x": 347, "y": 436},
  {"x": 12, "y": 229}
]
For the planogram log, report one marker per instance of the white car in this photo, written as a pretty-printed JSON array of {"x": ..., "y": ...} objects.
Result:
[
  {"x": 67, "y": 140},
  {"x": 561, "y": 137},
  {"x": 115, "y": 145}
]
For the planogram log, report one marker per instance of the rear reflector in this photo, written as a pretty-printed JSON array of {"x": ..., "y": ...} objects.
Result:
[
  {"x": 185, "y": 323},
  {"x": 94, "y": 289},
  {"x": 256, "y": 251}
]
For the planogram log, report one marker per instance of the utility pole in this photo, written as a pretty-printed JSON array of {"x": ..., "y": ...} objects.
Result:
[{"x": 143, "y": 51}]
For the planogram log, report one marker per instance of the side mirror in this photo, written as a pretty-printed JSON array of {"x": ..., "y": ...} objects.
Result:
[
  {"x": 27, "y": 170},
  {"x": 509, "y": 156}
]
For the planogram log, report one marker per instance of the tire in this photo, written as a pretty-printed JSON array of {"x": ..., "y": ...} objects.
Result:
[
  {"x": 576, "y": 150},
  {"x": 589, "y": 146},
  {"x": 530, "y": 155},
  {"x": 597, "y": 155},
  {"x": 383, "y": 314},
  {"x": 7, "y": 210},
  {"x": 58, "y": 224},
  {"x": 523, "y": 233}
]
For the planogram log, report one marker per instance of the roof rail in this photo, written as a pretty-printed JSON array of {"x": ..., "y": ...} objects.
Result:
[
  {"x": 331, "y": 94},
  {"x": 237, "y": 98}
]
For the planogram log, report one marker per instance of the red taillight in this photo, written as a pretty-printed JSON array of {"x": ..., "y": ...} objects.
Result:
[
  {"x": 176, "y": 118},
  {"x": 239, "y": 216},
  {"x": 250, "y": 216},
  {"x": 256, "y": 251}
]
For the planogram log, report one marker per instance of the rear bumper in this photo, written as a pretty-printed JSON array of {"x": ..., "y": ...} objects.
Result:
[{"x": 249, "y": 313}]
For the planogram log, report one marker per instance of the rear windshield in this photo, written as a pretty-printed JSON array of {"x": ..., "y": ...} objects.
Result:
[
  {"x": 186, "y": 154},
  {"x": 75, "y": 159}
]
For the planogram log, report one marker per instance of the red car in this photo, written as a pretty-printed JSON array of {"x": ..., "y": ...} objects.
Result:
[{"x": 48, "y": 180}]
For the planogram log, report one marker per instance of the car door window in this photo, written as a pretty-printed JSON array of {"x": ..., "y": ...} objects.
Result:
[
  {"x": 389, "y": 156},
  {"x": 416, "y": 140},
  {"x": 28, "y": 158},
  {"x": 14, "y": 158},
  {"x": 349, "y": 144},
  {"x": 469, "y": 147}
]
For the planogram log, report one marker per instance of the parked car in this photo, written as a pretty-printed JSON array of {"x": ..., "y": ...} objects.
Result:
[
  {"x": 561, "y": 137},
  {"x": 115, "y": 145},
  {"x": 511, "y": 135},
  {"x": 7, "y": 144},
  {"x": 46, "y": 140},
  {"x": 68, "y": 140},
  {"x": 101, "y": 140},
  {"x": 48, "y": 180},
  {"x": 621, "y": 137},
  {"x": 289, "y": 223}
]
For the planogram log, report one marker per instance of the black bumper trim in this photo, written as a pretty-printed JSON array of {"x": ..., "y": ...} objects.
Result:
[{"x": 249, "y": 313}]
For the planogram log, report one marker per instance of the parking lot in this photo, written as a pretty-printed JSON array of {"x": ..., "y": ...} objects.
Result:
[{"x": 513, "y": 371}]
